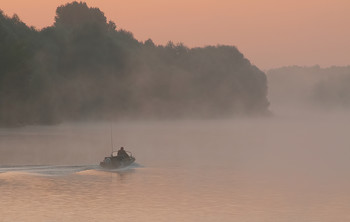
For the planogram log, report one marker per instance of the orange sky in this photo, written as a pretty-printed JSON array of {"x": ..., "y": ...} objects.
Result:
[{"x": 270, "y": 33}]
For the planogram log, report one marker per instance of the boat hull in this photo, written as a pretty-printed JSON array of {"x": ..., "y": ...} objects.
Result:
[{"x": 116, "y": 163}]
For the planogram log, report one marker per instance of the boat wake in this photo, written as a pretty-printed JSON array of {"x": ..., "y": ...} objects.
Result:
[
  {"x": 47, "y": 170},
  {"x": 52, "y": 170}
]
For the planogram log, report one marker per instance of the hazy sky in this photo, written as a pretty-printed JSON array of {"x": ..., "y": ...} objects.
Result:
[{"x": 270, "y": 33}]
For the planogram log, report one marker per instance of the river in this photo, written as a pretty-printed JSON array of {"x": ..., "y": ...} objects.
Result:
[{"x": 281, "y": 168}]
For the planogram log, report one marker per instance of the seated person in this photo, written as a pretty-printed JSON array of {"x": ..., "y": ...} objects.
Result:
[{"x": 122, "y": 153}]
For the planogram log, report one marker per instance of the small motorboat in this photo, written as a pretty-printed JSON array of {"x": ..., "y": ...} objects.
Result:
[{"x": 118, "y": 161}]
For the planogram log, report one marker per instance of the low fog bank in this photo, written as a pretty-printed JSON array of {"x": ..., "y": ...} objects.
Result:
[
  {"x": 285, "y": 148},
  {"x": 313, "y": 89},
  {"x": 84, "y": 68}
]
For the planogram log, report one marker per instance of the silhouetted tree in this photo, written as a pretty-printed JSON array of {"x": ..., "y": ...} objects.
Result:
[{"x": 82, "y": 67}]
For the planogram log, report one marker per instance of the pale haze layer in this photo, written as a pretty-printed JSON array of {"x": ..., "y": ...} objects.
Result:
[{"x": 270, "y": 33}]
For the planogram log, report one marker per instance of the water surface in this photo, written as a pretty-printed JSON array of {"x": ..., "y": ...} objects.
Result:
[{"x": 263, "y": 169}]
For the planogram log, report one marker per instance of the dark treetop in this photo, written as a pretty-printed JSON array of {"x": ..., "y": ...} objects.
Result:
[{"x": 82, "y": 67}]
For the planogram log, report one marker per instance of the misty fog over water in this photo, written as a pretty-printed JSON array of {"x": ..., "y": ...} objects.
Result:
[
  {"x": 215, "y": 138},
  {"x": 292, "y": 166}
]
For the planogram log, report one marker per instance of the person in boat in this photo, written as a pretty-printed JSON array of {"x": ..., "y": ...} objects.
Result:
[{"x": 122, "y": 153}]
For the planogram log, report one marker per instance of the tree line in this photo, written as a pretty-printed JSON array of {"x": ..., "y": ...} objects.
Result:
[
  {"x": 325, "y": 88},
  {"x": 83, "y": 67}
]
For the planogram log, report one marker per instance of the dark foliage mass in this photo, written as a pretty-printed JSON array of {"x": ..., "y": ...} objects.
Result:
[
  {"x": 322, "y": 87},
  {"x": 83, "y": 67}
]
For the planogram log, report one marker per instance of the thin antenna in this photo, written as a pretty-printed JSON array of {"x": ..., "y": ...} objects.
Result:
[{"x": 112, "y": 137}]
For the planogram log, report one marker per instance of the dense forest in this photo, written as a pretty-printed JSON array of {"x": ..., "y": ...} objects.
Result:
[
  {"x": 315, "y": 86},
  {"x": 83, "y": 67}
]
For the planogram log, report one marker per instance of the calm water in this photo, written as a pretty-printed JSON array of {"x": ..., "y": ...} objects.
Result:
[{"x": 274, "y": 169}]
